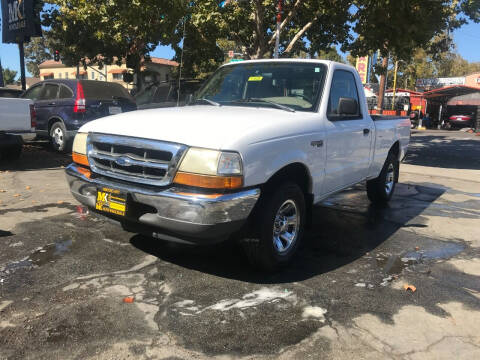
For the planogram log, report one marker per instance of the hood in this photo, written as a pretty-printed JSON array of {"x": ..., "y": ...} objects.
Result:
[{"x": 200, "y": 126}]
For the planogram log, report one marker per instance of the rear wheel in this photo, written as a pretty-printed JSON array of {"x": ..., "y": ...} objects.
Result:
[
  {"x": 58, "y": 137},
  {"x": 380, "y": 189},
  {"x": 279, "y": 222}
]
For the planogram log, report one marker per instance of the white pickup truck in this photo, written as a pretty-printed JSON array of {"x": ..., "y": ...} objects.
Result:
[
  {"x": 260, "y": 143},
  {"x": 17, "y": 121}
]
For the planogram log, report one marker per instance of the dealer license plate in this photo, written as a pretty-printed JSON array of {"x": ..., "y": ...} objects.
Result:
[
  {"x": 114, "y": 110},
  {"x": 111, "y": 201}
]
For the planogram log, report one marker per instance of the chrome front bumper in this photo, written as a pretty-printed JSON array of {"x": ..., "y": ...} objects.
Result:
[{"x": 172, "y": 214}]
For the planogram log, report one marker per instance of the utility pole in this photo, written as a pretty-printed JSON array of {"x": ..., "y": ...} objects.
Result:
[
  {"x": 22, "y": 65},
  {"x": 383, "y": 82},
  {"x": 394, "y": 84},
  {"x": 279, "y": 22}
]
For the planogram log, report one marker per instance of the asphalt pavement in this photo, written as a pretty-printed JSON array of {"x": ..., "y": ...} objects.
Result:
[{"x": 76, "y": 286}]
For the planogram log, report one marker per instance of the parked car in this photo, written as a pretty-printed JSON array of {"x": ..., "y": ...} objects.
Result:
[
  {"x": 17, "y": 119},
  {"x": 460, "y": 121},
  {"x": 165, "y": 94},
  {"x": 262, "y": 142},
  {"x": 10, "y": 93},
  {"x": 63, "y": 106}
]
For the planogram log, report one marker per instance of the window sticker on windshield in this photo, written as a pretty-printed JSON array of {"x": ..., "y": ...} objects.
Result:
[
  {"x": 317, "y": 69},
  {"x": 255, "y": 78}
]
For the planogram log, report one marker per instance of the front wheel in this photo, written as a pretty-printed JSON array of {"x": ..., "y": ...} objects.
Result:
[
  {"x": 58, "y": 137},
  {"x": 279, "y": 222},
  {"x": 380, "y": 189}
]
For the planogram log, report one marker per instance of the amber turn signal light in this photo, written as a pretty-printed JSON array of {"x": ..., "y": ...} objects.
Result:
[
  {"x": 80, "y": 159},
  {"x": 208, "y": 181}
]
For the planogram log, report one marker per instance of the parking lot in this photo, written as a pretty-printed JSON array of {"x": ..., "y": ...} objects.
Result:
[{"x": 65, "y": 274}]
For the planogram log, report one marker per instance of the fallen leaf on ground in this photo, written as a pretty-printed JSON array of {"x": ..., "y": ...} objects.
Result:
[
  {"x": 17, "y": 195},
  {"x": 417, "y": 248},
  {"x": 28, "y": 187},
  {"x": 128, "y": 299},
  {"x": 3, "y": 191},
  {"x": 409, "y": 287}
]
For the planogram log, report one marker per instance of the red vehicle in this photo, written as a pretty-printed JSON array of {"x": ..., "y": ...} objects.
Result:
[{"x": 461, "y": 121}]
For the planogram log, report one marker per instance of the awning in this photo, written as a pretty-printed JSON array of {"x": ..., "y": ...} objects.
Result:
[
  {"x": 447, "y": 92},
  {"x": 46, "y": 74},
  {"x": 117, "y": 71},
  {"x": 82, "y": 72},
  {"x": 468, "y": 99}
]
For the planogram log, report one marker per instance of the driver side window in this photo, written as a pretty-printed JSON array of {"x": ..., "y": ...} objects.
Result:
[{"x": 343, "y": 86}]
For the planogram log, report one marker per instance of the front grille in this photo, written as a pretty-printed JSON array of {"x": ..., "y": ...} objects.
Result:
[{"x": 132, "y": 159}]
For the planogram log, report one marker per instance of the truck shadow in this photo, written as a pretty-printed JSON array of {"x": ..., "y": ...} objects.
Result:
[
  {"x": 345, "y": 228},
  {"x": 444, "y": 151},
  {"x": 37, "y": 155}
]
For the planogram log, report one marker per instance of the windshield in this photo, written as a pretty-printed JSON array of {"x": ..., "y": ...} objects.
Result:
[{"x": 293, "y": 85}]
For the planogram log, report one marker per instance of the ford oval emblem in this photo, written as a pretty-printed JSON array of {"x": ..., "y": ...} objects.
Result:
[{"x": 122, "y": 161}]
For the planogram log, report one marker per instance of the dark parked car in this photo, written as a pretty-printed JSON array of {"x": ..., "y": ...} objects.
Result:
[
  {"x": 165, "y": 94},
  {"x": 460, "y": 121},
  {"x": 63, "y": 106},
  {"x": 10, "y": 93}
]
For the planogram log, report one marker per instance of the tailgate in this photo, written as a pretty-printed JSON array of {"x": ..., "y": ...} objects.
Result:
[{"x": 15, "y": 115}]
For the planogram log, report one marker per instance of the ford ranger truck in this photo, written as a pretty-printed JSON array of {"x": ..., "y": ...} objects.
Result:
[{"x": 260, "y": 143}]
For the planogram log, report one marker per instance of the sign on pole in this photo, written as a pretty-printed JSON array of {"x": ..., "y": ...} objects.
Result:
[
  {"x": 231, "y": 54},
  {"x": 20, "y": 21},
  {"x": 362, "y": 68}
]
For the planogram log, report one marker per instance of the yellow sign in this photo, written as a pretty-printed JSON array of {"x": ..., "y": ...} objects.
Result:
[
  {"x": 362, "y": 68},
  {"x": 418, "y": 107},
  {"x": 255, "y": 78}
]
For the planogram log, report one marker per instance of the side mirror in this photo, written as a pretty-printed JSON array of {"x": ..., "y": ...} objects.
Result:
[{"x": 347, "y": 106}]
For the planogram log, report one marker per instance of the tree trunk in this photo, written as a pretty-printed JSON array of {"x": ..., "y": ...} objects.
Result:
[{"x": 381, "y": 90}]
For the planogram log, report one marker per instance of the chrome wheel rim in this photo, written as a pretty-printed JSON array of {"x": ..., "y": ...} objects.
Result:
[
  {"x": 58, "y": 136},
  {"x": 390, "y": 179},
  {"x": 285, "y": 227}
]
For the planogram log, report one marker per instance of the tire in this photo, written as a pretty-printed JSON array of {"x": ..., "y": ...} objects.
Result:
[
  {"x": 267, "y": 247},
  {"x": 380, "y": 189},
  {"x": 58, "y": 137}
]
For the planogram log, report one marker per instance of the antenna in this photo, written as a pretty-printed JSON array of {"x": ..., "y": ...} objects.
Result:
[{"x": 181, "y": 65}]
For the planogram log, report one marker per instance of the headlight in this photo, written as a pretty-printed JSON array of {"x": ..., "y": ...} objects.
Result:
[
  {"x": 210, "y": 169},
  {"x": 79, "y": 149}
]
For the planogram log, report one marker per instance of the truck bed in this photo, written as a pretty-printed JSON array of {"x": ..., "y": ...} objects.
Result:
[{"x": 15, "y": 115}]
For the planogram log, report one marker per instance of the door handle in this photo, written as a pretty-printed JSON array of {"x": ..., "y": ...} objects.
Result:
[
  {"x": 318, "y": 143},
  {"x": 366, "y": 131}
]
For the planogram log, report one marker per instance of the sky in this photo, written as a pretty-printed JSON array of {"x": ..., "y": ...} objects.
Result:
[{"x": 466, "y": 39}]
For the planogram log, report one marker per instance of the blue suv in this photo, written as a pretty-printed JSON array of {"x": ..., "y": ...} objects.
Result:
[{"x": 63, "y": 106}]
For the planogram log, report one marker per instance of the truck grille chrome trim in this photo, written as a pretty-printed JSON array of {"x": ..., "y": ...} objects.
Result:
[{"x": 133, "y": 159}]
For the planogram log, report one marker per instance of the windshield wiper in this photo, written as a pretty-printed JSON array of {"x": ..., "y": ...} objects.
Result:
[
  {"x": 211, "y": 102},
  {"x": 277, "y": 105}
]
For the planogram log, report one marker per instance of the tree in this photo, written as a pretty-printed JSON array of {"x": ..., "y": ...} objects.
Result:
[
  {"x": 397, "y": 27},
  {"x": 9, "y": 76},
  {"x": 37, "y": 51},
  {"x": 330, "y": 53},
  {"x": 307, "y": 26},
  {"x": 112, "y": 31}
]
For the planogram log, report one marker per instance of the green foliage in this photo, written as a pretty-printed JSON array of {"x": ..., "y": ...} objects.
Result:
[
  {"x": 251, "y": 25},
  {"x": 109, "y": 31},
  {"x": 9, "y": 76},
  {"x": 397, "y": 27},
  {"x": 37, "y": 51},
  {"x": 330, "y": 53}
]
